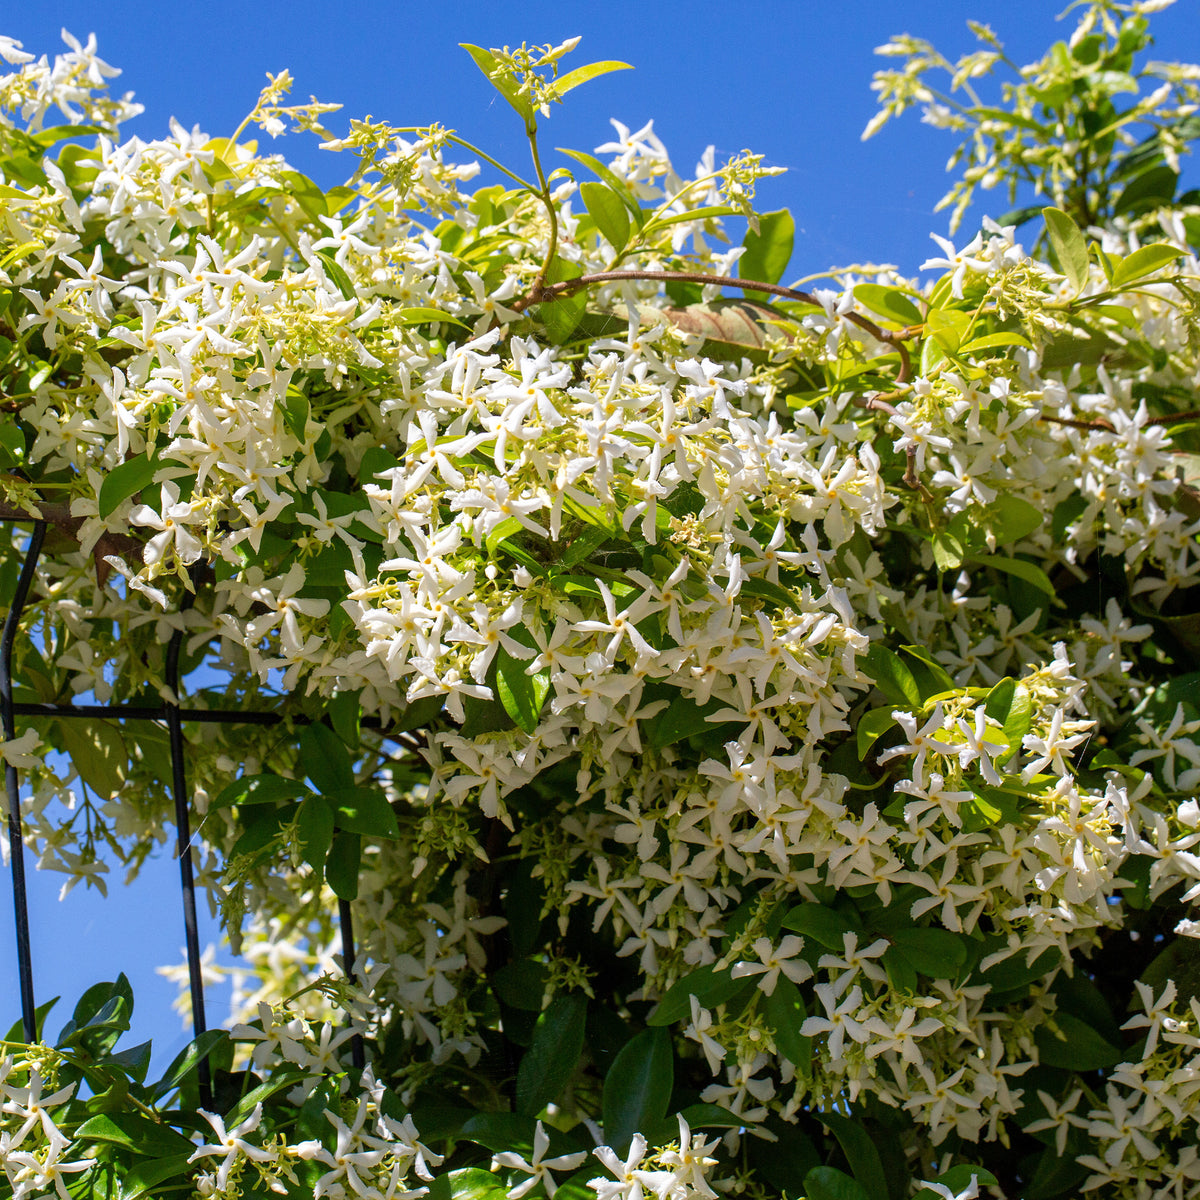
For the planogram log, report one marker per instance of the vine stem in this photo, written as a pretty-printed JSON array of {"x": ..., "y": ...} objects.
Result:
[
  {"x": 540, "y": 292},
  {"x": 539, "y": 282}
]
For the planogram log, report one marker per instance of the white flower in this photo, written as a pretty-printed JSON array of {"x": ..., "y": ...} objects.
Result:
[{"x": 538, "y": 1168}]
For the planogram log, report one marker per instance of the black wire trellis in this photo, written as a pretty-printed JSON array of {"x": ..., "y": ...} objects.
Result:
[{"x": 173, "y": 714}]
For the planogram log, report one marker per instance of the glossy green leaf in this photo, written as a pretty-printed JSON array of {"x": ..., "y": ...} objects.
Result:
[
  {"x": 1069, "y": 245},
  {"x": 419, "y": 315},
  {"x": 363, "y": 810},
  {"x": 608, "y": 210},
  {"x": 860, "y": 1151},
  {"x": 891, "y": 677},
  {"x": 768, "y": 251},
  {"x": 324, "y": 759},
  {"x": 888, "y": 302},
  {"x": 1009, "y": 703},
  {"x": 1080, "y": 1048},
  {"x": 709, "y": 985},
  {"x": 828, "y": 1183},
  {"x": 337, "y": 275},
  {"x": 186, "y": 1062},
  {"x": 314, "y": 828},
  {"x": 157, "y": 1176},
  {"x": 521, "y": 694},
  {"x": 680, "y": 719},
  {"x": 553, "y": 1053},
  {"x": 937, "y": 953},
  {"x": 259, "y": 789},
  {"x": 618, "y": 186},
  {"x": 342, "y": 864},
  {"x": 948, "y": 327},
  {"x": 562, "y": 316},
  {"x": 993, "y": 341},
  {"x": 637, "y": 1088},
  {"x": 827, "y": 926},
  {"x": 1031, "y": 573},
  {"x": 131, "y": 1131},
  {"x": 785, "y": 1012},
  {"x": 871, "y": 727},
  {"x": 468, "y": 1183},
  {"x": 125, "y": 480}
]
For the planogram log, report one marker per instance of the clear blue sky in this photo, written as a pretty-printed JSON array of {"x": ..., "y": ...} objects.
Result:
[{"x": 786, "y": 78}]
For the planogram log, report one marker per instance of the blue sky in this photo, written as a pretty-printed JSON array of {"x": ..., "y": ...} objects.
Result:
[{"x": 787, "y": 78}]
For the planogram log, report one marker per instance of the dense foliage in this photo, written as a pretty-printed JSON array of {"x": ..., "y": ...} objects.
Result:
[{"x": 772, "y": 716}]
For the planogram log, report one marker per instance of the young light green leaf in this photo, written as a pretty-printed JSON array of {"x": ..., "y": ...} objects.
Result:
[
  {"x": 1070, "y": 247},
  {"x": 888, "y": 302},
  {"x": 1142, "y": 263},
  {"x": 572, "y": 79},
  {"x": 501, "y": 79}
]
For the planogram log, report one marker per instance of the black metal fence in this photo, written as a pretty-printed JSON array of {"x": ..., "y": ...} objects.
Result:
[{"x": 173, "y": 715}]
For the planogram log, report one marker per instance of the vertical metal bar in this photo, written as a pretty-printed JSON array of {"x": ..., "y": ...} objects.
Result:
[
  {"x": 183, "y": 842},
  {"x": 357, "y": 1057},
  {"x": 13, "y": 786}
]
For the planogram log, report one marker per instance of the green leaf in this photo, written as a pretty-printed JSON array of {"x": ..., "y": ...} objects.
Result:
[
  {"x": 608, "y": 210},
  {"x": 824, "y": 925},
  {"x": 502, "y": 80},
  {"x": 124, "y": 481},
  {"x": 337, "y": 275},
  {"x": 345, "y": 715},
  {"x": 259, "y": 789},
  {"x": 682, "y": 718},
  {"x": 187, "y": 1060},
  {"x": 948, "y": 327},
  {"x": 342, "y": 863},
  {"x": 1147, "y": 191},
  {"x": 785, "y": 1012},
  {"x": 562, "y": 316},
  {"x": 637, "y": 1088},
  {"x": 871, "y": 727},
  {"x": 522, "y": 695},
  {"x": 888, "y": 302},
  {"x": 990, "y": 341},
  {"x": 1069, "y": 245},
  {"x": 314, "y": 828},
  {"x": 131, "y": 1131},
  {"x": 553, "y": 1054},
  {"x": 618, "y": 186},
  {"x": 937, "y": 953},
  {"x": 1031, "y": 573},
  {"x": 98, "y": 752},
  {"x": 429, "y": 316},
  {"x": 150, "y": 1177},
  {"x": 572, "y": 79},
  {"x": 1080, "y": 1048},
  {"x": 768, "y": 251},
  {"x": 324, "y": 759},
  {"x": 947, "y": 550},
  {"x": 12, "y": 443},
  {"x": 860, "y": 1152},
  {"x": 1009, "y": 703},
  {"x": 521, "y": 984},
  {"x": 828, "y": 1183},
  {"x": 468, "y": 1183},
  {"x": 932, "y": 678},
  {"x": 1008, "y": 519},
  {"x": 1143, "y": 262},
  {"x": 363, "y": 810},
  {"x": 708, "y": 984},
  {"x": 891, "y": 677}
]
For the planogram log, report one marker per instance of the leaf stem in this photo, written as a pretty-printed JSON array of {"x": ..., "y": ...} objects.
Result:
[{"x": 539, "y": 281}]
